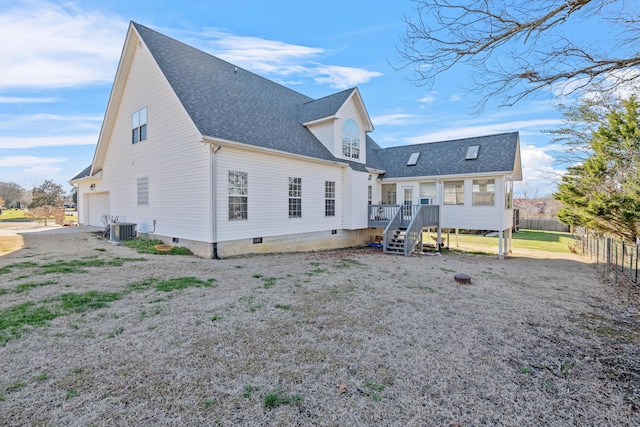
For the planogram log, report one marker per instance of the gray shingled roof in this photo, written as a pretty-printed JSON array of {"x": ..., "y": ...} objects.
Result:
[
  {"x": 84, "y": 173},
  {"x": 497, "y": 154},
  {"x": 228, "y": 102},
  {"x": 323, "y": 107}
]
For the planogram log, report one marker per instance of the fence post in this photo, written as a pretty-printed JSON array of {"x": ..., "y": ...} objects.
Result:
[
  {"x": 615, "y": 266},
  {"x": 608, "y": 249}
]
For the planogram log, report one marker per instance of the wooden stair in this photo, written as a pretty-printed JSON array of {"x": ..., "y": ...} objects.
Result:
[{"x": 395, "y": 245}]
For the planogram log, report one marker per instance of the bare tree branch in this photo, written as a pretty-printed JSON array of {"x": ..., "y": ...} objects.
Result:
[{"x": 518, "y": 47}]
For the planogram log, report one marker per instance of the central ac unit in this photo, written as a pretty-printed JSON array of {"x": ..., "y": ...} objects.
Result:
[{"x": 121, "y": 231}]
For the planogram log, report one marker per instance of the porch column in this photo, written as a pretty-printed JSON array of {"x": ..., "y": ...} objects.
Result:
[{"x": 500, "y": 244}]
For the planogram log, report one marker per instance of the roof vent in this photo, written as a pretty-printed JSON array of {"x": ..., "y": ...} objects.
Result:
[
  {"x": 472, "y": 152},
  {"x": 413, "y": 159}
]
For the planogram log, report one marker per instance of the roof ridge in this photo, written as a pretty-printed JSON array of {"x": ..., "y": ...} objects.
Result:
[{"x": 137, "y": 25}]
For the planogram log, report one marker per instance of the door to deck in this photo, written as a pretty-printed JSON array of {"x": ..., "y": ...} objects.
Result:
[{"x": 407, "y": 203}]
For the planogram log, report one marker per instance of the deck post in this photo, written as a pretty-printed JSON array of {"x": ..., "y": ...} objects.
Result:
[
  {"x": 439, "y": 238},
  {"x": 500, "y": 244}
]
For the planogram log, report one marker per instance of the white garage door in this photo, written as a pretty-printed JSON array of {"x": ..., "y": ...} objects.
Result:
[{"x": 97, "y": 206}]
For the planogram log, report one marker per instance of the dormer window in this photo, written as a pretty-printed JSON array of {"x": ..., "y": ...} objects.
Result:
[
  {"x": 472, "y": 152},
  {"x": 350, "y": 139}
]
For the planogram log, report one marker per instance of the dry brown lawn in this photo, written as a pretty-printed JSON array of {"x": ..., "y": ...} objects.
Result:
[{"x": 338, "y": 338}]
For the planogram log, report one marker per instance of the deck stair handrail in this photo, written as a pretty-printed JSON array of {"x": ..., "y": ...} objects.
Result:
[
  {"x": 426, "y": 216},
  {"x": 393, "y": 225}
]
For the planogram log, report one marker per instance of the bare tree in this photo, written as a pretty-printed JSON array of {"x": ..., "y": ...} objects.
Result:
[
  {"x": 12, "y": 193},
  {"x": 517, "y": 47}
]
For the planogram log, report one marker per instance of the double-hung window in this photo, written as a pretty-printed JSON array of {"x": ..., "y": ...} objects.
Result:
[
  {"x": 329, "y": 198},
  {"x": 139, "y": 126},
  {"x": 238, "y": 195},
  {"x": 295, "y": 197}
]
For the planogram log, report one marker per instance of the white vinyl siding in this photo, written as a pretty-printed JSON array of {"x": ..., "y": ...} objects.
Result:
[
  {"x": 177, "y": 163},
  {"x": 268, "y": 191}
]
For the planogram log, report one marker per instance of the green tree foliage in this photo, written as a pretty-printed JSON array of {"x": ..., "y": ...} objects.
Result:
[
  {"x": 47, "y": 194},
  {"x": 602, "y": 193}
]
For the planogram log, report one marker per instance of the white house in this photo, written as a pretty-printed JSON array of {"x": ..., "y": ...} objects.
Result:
[{"x": 204, "y": 154}]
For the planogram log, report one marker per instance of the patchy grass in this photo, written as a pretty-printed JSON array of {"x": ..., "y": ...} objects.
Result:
[
  {"x": 25, "y": 264},
  {"x": 148, "y": 246},
  {"x": 181, "y": 283},
  {"x": 348, "y": 263},
  {"x": 16, "y": 319},
  {"x": 546, "y": 241},
  {"x": 276, "y": 398},
  {"x": 24, "y": 287},
  {"x": 269, "y": 282}
]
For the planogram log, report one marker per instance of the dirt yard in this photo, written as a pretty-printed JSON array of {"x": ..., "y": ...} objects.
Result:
[{"x": 338, "y": 338}]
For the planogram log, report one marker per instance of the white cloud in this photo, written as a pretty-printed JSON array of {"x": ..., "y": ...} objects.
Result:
[
  {"x": 343, "y": 77},
  {"x": 7, "y": 142},
  {"x": 20, "y": 161},
  {"x": 277, "y": 58},
  {"x": 455, "y": 98},
  {"x": 391, "y": 119},
  {"x": 471, "y": 131},
  {"x": 26, "y": 100},
  {"x": 428, "y": 98},
  {"x": 42, "y": 170},
  {"x": 54, "y": 46}
]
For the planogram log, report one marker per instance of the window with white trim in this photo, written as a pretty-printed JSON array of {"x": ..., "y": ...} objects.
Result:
[
  {"x": 508, "y": 193},
  {"x": 295, "y": 197},
  {"x": 139, "y": 126},
  {"x": 350, "y": 139},
  {"x": 453, "y": 193},
  {"x": 484, "y": 192},
  {"x": 329, "y": 198},
  {"x": 143, "y": 191},
  {"x": 238, "y": 195}
]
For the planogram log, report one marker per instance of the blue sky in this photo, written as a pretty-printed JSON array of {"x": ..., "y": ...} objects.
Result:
[{"x": 57, "y": 69}]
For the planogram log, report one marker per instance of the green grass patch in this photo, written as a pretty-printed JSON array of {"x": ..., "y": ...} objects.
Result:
[
  {"x": 141, "y": 286},
  {"x": 374, "y": 389},
  {"x": 116, "y": 332},
  {"x": 92, "y": 300},
  {"x": 181, "y": 283},
  {"x": 546, "y": 241},
  {"x": 348, "y": 263},
  {"x": 41, "y": 377},
  {"x": 283, "y": 307},
  {"x": 276, "y": 398},
  {"x": 249, "y": 390},
  {"x": 71, "y": 393},
  {"x": 148, "y": 246},
  {"x": 25, "y": 264},
  {"x": 18, "y": 318},
  {"x": 13, "y": 320},
  {"x": 13, "y": 215},
  {"x": 24, "y": 287},
  {"x": 269, "y": 282}
]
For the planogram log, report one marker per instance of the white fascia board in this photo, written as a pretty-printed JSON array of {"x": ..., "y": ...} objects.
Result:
[
  {"x": 320, "y": 121},
  {"x": 222, "y": 142},
  {"x": 441, "y": 177}
]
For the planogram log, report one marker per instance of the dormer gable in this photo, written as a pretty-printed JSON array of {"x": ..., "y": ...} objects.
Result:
[{"x": 340, "y": 122}]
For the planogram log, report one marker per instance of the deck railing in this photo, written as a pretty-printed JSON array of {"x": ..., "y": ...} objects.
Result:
[
  {"x": 426, "y": 216},
  {"x": 381, "y": 215}
]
